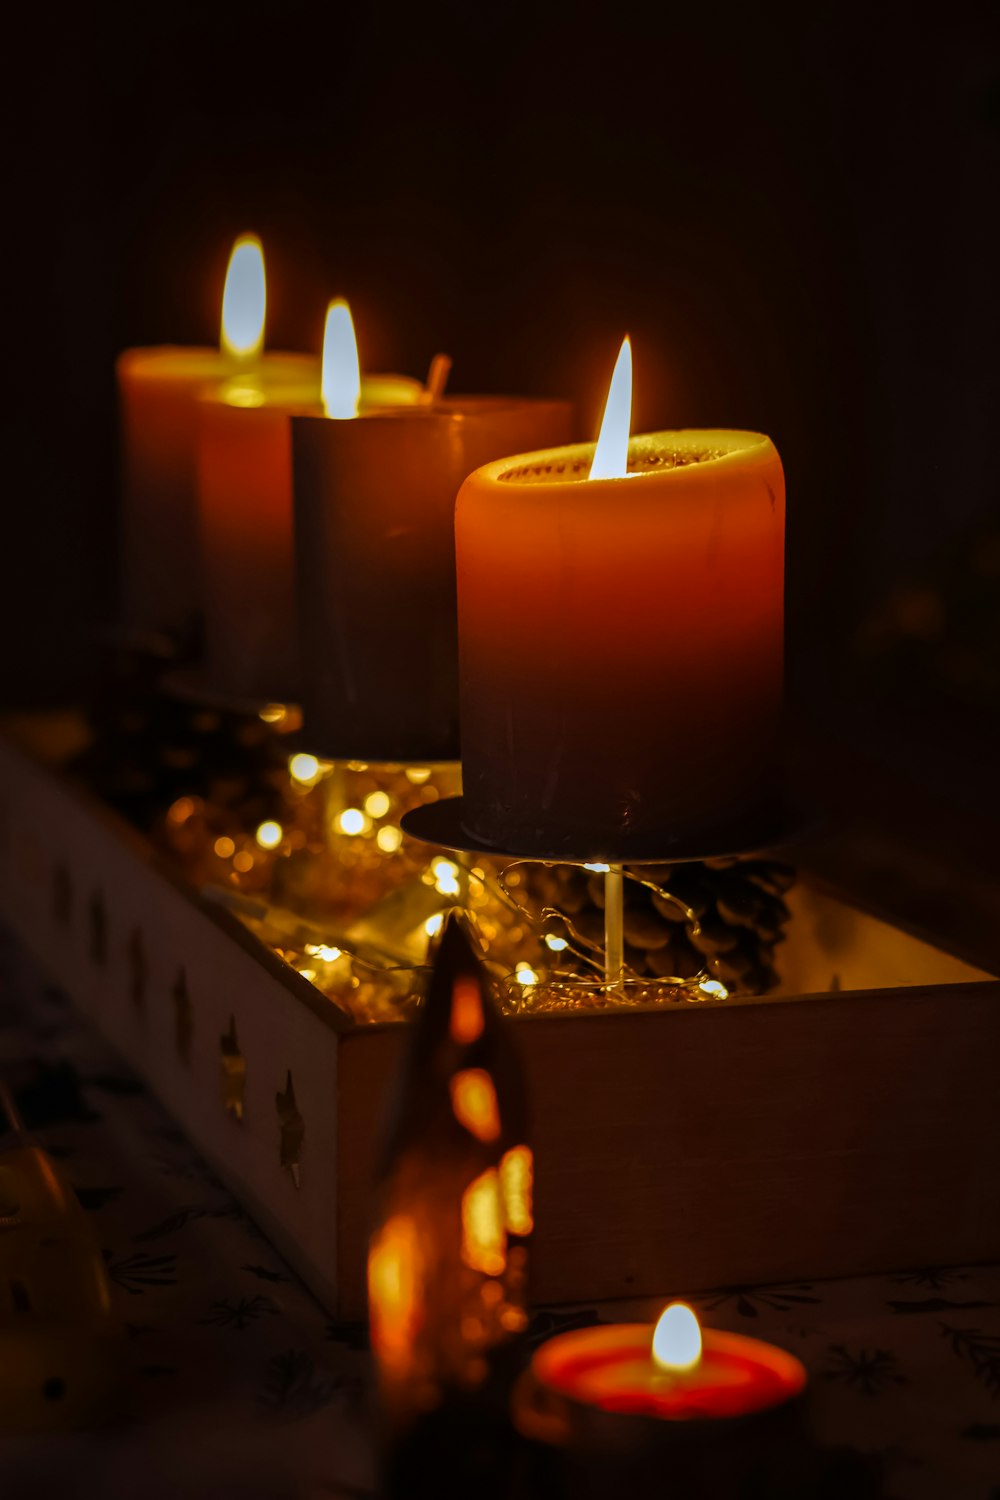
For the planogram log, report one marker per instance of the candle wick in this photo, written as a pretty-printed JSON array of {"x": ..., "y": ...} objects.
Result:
[{"x": 437, "y": 378}]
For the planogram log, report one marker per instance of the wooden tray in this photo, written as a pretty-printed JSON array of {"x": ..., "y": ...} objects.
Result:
[{"x": 847, "y": 1124}]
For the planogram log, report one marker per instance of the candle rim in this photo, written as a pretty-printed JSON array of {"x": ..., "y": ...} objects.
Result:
[
  {"x": 633, "y": 1340},
  {"x": 183, "y": 362},
  {"x": 452, "y": 408},
  {"x": 298, "y": 393},
  {"x": 718, "y": 448}
]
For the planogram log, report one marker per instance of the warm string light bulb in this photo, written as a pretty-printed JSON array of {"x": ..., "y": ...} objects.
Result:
[
  {"x": 244, "y": 301},
  {"x": 611, "y": 453},
  {"x": 341, "y": 381}
]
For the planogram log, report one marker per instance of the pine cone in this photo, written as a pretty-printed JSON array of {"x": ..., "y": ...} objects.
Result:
[{"x": 727, "y": 917}]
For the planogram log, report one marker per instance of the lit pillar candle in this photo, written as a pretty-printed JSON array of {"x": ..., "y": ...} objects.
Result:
[
  {"x": 669, "y": 1405},
  {"x": 245, "y": 503},
  {"x": 374, "y": 527},
  {"x": 620, "y": 620},
  {"x": 158, "y": 390}
]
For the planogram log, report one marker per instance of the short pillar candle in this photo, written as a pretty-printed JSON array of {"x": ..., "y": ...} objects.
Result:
[
  {"x": 375, "y": 564},
  {"x": 246, "y": 522},
  {"x": 621, "y": 643}
]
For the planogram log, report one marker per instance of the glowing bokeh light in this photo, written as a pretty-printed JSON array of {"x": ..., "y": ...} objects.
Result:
[
  {"x": 484, "y": 1239},
  {"x": 474, "y": 1103},
  {"x": 516, "y": 1178}
]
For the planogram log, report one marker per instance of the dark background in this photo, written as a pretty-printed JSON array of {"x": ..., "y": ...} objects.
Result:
[{"x": 793, "y": 213}]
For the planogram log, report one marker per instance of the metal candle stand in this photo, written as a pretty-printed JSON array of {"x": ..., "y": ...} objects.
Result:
[{"x": 763, "y": 829}]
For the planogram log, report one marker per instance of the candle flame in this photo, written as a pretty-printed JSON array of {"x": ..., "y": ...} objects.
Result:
[
  {"x": 677, "y": 1338},
  {"x": 341, "y": 368},
  {"x": 611, "y": 453},
  {"x": 244, "y": 301}
]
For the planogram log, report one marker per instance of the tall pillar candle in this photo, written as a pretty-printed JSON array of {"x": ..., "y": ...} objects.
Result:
[
  {"x": 245, "y": 500},
  {"x": 375, "y": 564},
  {"x": 621, "y": 643}
]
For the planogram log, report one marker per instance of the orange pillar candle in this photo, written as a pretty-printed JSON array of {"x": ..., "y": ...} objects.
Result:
[
  {"x": 620, "y": 641},
  {"x": 158, "y": 390},
  {"x": 245, "y": 500},
  {"x": 374, "y": 528}
]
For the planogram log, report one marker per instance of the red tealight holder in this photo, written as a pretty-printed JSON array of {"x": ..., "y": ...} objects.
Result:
[{"x": 718, "y": 1416}]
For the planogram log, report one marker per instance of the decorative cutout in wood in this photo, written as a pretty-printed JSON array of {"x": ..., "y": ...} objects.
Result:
[
  {"x": 98, "y": 929},
  {"x": 234, "y": 1071},
  {"x": 293, "y": 1130},
  {"x": 62, "y": 895},
  {"x": 183, "y": 1017},
  {"x": 137, "y": 968}
]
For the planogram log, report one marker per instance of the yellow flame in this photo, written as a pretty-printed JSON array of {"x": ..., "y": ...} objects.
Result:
[
  {"x": 341, "y": 385},
  {"x": 677, "y": 1338},
  {"x": 466, "y": 1011},
  {"x": 516, "y": 1179},
  {"x": 484, "y": 1241},
  {"x": 394, "y": 1273},
  {"x": 244, "y": 301},
  {"x": 474, "y": 1102},
  {"x": 611, "y": 453}
]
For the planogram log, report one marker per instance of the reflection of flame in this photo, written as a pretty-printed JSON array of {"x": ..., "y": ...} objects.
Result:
[
  {"x": 341, "y": 383},
  {"x": 516, "y": 1174},
  {"x": 474, "y": 1100},
  {"x": 466, "y": 1010},
  {"x": 484, "y": 1242},
  {"x": 677, "y": 1338},
  {"x": 393, "y": 1288},
  {"x": 244, "y": 300},
  {"x": 611, "y": 453}
]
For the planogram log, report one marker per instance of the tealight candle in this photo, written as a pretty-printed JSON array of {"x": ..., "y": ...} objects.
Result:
[
  {"x": 674, "y": 1372},
  {"x": 707, "y": 1412},
  {"x": 158, "y": 390},
  {"x": 245, "y": 506},
  {"x": 620, "y": 625}
]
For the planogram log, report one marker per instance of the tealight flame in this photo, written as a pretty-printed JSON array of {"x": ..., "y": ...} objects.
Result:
[
  {"x": 677, "y": 1339},
  {"x": 341, "y": 384},
  {"x": 244, "y": 301},
  {"x": 611, "y": 453}
]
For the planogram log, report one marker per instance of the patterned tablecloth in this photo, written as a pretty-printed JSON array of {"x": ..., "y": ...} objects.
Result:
[{"x": 244, "y": 1388}]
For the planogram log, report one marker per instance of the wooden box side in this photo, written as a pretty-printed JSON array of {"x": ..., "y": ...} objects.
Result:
[
  {"x": 200, "y": 1010},
  {"x": 755, "y": 1142}
]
